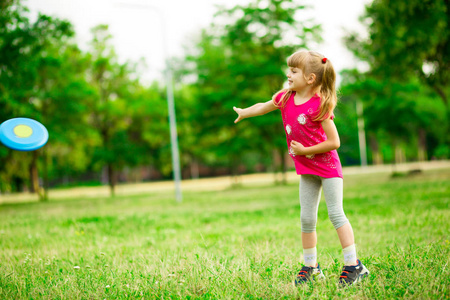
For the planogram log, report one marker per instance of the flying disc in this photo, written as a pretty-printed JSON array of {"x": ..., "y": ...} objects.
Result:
[{"x": 23, "y": 134}]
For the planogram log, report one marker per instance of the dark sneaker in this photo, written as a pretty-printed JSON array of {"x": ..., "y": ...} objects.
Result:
[
  {"x": 353, "y": 274},
  {"x": 308, "y": 274}
]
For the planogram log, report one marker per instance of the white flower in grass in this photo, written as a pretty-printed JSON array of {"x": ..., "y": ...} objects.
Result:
[
  {"x": 288, "y": 129},
  {"x": 108, "y": 286},
  {"x": 76, "y": 267},
  {"x": 302, "y": 119}
]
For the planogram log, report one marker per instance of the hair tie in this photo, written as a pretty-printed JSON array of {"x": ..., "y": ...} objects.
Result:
[{"x": 324, "y": 60}]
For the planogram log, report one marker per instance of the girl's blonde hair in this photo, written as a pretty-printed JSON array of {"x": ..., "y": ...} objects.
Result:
[{"x": 313, "y": 62}]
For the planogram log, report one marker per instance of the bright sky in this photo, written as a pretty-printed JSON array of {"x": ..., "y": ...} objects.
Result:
[{"x": 137, "y": 31}]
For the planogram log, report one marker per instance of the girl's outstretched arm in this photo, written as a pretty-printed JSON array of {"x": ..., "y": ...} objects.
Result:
[{"x": 255, "y": 110}]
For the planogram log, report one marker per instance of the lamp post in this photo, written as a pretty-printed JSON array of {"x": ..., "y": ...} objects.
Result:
[
  {"x": 361, "y": 133},
  {"x": 170, "y": 99}
]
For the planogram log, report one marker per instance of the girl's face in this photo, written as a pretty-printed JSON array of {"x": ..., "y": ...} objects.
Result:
[{"x": 296, "y": 79}]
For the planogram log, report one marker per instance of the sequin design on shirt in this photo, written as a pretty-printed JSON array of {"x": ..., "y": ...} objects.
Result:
[
  {"x": 288, "y": 129},
  {"x": 302, "y": 119},
  {"x": 327, "y": 159},
  {"x": 323, "y": 159}
]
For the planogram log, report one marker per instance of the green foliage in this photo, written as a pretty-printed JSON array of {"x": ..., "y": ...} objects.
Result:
[
  {"x": 149, "y": 129},
  {"x": 37, "y": 77},
  {"x": 233, "y": 244},
  {"x": 90, "y": 103},
  {"x": 346, "y": 123},
  {"x": 100, "y": 117},
  {"x": 408, "y": 72},
  {"x": 408, "y": 39},
  {"x": 240, "y": 61}
]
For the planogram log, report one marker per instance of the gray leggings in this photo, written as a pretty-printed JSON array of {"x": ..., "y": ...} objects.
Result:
[{"x": 310, "y": 188}]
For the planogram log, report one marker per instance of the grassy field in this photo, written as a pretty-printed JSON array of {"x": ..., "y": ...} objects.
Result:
[{"x": 241, "y": 243}]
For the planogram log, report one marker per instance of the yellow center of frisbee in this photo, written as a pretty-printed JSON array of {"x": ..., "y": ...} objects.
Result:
[{"x": 23, "y": 131}]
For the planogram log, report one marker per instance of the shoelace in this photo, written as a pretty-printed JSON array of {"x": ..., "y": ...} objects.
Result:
[
  {"x": 346, "y": 271},
  {"x": 303, "y": 270}
]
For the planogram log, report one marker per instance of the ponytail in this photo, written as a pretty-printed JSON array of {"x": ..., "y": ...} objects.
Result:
[{"x": 328, "y": 97}]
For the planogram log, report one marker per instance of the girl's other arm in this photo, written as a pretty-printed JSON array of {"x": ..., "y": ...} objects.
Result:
[
  {"x": 255, "y": 110},
  {"x": 333, "y": 142}
]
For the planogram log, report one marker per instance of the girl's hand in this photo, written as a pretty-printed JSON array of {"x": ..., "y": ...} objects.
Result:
[
  {"x": 298, "y": 148},
  {"x": 239, "y": 112}
]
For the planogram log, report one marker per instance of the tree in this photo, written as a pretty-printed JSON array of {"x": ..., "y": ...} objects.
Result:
[
  {"x": 407, "y": 39},
  {"x": 62, "y": 97},
  {"x": 111, "y": 114},
  {"x": 240, "y": 61},
  {"x": 149, "y": 129},
  {"x": 395, "y": 113},
  {"x": 30, "y": 56},
  {"x": 407, "y": 53}
]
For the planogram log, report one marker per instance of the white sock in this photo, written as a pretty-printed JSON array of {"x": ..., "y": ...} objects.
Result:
[
  {"x": 350, "y": 255},
  {"x": 310, "y": 257}
]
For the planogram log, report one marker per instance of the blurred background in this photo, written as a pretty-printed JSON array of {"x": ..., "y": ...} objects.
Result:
[{"x": 93, "y": 73}]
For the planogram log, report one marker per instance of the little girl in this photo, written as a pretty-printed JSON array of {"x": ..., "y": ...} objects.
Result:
[{"x": 312, "y": 138}]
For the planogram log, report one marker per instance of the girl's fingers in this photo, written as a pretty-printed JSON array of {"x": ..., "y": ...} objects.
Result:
[{"x": 239, "y": 117}]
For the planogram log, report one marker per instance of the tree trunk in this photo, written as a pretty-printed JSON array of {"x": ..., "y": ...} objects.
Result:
[
  {"x": 234, "y": 166},
  {"x": 399, "y": 154},
  {"x": 275, "y": 163},
  {"x": 422, "y": 145},
  {"x": 194, "y": 169},
  {"x": 34, "y": 177},
  {"x": 442, "y": 94},
  {"x": 281, "y": 152},
  {"x": 377, "y": 158},
  {"x": 439, "y": 90},
  {"x": 46, "y": 184},
  {"x": 111, "y": 179}
]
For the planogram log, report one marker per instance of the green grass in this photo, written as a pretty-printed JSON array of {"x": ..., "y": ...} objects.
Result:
[{"x": 236, "y": 244}]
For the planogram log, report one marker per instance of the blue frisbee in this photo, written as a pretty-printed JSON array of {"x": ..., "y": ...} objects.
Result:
[{"x": 23, "y": 134}]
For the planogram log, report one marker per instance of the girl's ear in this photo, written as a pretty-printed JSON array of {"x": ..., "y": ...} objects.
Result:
[{"x": 311, "y": 78}]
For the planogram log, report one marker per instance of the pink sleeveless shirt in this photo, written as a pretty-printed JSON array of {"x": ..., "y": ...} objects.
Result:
[{"x": 299, "y": 126}]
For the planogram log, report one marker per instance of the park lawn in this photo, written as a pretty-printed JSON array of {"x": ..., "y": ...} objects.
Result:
[{"x": 241, "y": 243}]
